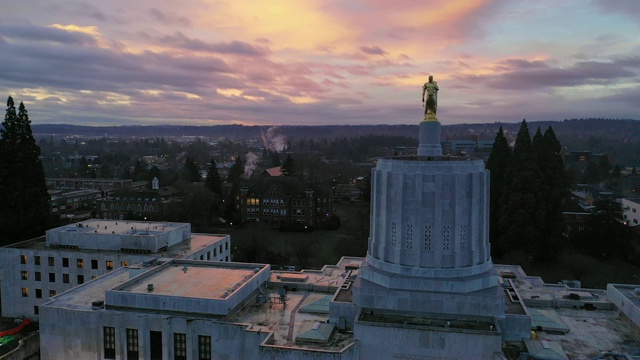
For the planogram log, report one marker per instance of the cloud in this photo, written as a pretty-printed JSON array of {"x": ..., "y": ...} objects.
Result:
[
  {"x": 372, "y": 50},
  {"x": 234, "y": 47},
  {"x": 88, "y": 10},
  {"x": 519, "y": 74},
  {"x": 169, "y": 19},
  {"x": 623, "y": 7},
  {"x": 46, "y": 33}
]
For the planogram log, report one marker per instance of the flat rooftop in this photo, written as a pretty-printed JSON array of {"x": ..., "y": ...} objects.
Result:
[
  {"x": 193, "y": 281},
  {"x": 119, "y": 227},
  {"x": 307, "y": 303},
  {"x": 583, "y": 321}
]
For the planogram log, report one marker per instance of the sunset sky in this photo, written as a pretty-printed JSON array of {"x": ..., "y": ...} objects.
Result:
[{"x": 318, "y": 62}]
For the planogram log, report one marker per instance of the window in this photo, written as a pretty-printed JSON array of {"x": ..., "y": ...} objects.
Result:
[
  {"x": 36, "y": 260},
  {"x": 65, "y": 278},
  {"x": 208, "y": 255},
  {"x": 65, "y": 262},
  {"x": 124, "y": 263},
  {"x": 52, "y": 261},
  {"x": 94, "y": 264},
  {"x": 52, "y": 293},
  {"x": 109, "y": 342},
  {"x": 132, "y": 344},
  {"x": 24, "y": 275},
  {"x": 204, "y": 347},
  {"x": 25, "y": 292},
  {"x": 36, "y": 310},
  {"x": 180, "y": 346},
  {"x": 38, "y": 293},
  {"x": 80, "y": 279},
  {"x": 52, "y": 277},
  {"x": 38, "y": 276},
  {"x": 80, "y": 263},
  {"x": 215, "y": 251},
  {"x": 220, "y": 248},
  {"x": 109, "y": 265},
  {"x": 226, "y": 246},
  {"x": 23, "y": 259}
]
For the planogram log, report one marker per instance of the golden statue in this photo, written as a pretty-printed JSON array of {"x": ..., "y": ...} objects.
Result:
[{"x": 430, "y": 103}]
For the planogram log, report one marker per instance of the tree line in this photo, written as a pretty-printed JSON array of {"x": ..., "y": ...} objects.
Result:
[{"x": 529, "y": 186}]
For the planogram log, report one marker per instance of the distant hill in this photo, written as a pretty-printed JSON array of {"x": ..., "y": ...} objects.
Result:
[
  {"x": 622, "y": 130},
  {"x": 618, "y": 138}
]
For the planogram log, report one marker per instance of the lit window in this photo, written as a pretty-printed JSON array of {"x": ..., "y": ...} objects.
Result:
[
  {"x": 124, "y": 263},
  {"x": 25, "y": 292},
  {"x": 52, "y": 293},
  {"x": 109, "y": 265},
  {"x": 109, "y": 342},
  {"x": 23, "y": 259},
  {"x": 24, "y": 275},
  {"x": 204, "y": 347},
  {"x": 80, "y": 263}
]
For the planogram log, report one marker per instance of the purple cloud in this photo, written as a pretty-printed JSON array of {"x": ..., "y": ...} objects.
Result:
[
  {"x": 44, "y": 33},
  {"x": 232, "y": 48},
  {"x": 372, "y": 50},
  {"x": 169, "y": 19},
  {"x": 526, "y": 75}
]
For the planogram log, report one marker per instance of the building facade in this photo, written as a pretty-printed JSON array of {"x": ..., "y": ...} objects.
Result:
[
  {"x": 147, "y": 204},
  {"x": 285, "y": 201},
  {"x": 631, "y": 211},
  {"x": 35, "y": 270}
]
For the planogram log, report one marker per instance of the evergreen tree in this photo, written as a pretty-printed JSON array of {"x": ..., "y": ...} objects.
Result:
[
  {"x": 234, "y": 177},
  {"x": 497, "y": 164},
  {"x": 154, "y": 172},
  {"x": 213, "y": 181},
  {"x": 554, "y": 193},
  {"x": 140, "y": 170},
  {"x": 235, "y": 171},
  {"x": 288, "y": 167},
  {"x": 24, "y": 201},
  {"x": 192, "y": 170},
  {"x": 517, "y": 217}
]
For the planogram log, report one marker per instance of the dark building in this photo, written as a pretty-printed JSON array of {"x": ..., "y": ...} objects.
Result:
[
  {"x": 147, "y": 204},
  {"x": 285, "y": 201}
]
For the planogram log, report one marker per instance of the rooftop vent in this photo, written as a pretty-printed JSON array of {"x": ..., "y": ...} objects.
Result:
[
  {"x": 150, "y": 287},
  {"x": 98, "y": 304}
]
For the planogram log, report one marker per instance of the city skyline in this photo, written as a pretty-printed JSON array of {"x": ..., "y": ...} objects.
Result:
[{"x": 318, "y": 62}]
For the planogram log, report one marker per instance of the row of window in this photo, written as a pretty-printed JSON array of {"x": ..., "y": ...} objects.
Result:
[
  {"x": 37, "y": 260},
  {"x": 129, "y": 207},
  {"x": 155, "y": 345},
  {"x": 24, "y": 275},
  {"x": 25, "y": 293}
]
